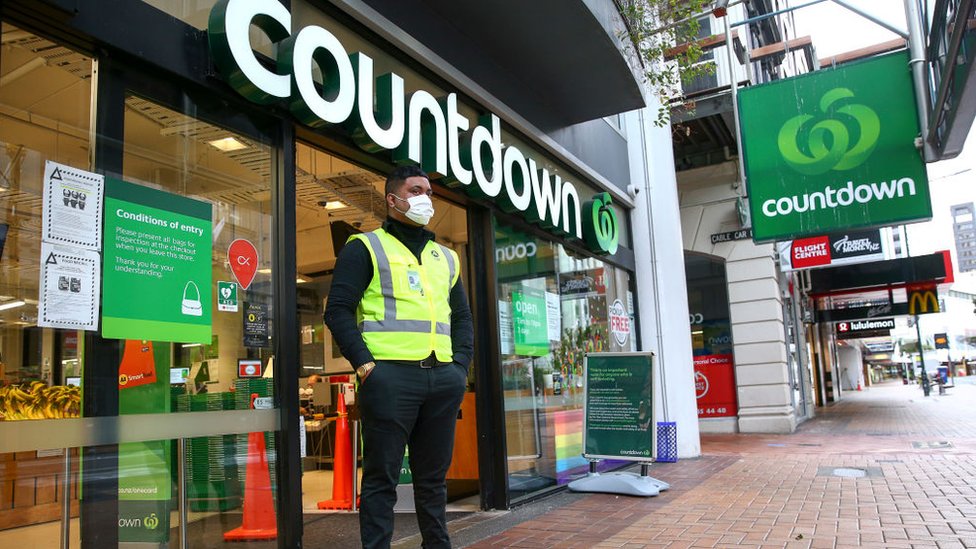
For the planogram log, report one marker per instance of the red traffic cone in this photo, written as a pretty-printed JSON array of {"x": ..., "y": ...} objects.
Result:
[
  {"x": 341, "y": 463},
  {"x": 259, "y": 512},
  {"x": 859, "y": 385}
]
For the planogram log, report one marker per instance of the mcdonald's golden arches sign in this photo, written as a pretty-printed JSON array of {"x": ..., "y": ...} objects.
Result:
[{"x": 923, "y": 301}]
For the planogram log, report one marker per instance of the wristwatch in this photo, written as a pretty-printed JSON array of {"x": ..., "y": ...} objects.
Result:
[{"x": 364, "y": 370}]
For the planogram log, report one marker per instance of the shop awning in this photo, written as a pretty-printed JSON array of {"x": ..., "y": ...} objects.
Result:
[
  {"x": 556, "y": 62},
  {"x": 879, "y": 275}
]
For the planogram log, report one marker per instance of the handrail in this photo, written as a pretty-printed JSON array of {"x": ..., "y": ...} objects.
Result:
[{"x": 27, "y": 435}]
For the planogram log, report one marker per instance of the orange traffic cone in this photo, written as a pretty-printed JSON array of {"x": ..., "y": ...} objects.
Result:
[
  {"x": 341, "y": 464},
  {"x": 259, "y": 512}
]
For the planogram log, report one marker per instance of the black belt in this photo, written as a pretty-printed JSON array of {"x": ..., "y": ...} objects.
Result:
[{"x": 429, "y": 362}]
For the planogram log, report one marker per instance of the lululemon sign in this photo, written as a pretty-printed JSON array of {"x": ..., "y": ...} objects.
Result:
[
  {"x": 416, "y": 128},
  {"x": 834, "y": 149}
]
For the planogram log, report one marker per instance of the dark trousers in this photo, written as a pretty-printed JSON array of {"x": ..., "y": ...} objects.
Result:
[{"x": 402, "y": 404}]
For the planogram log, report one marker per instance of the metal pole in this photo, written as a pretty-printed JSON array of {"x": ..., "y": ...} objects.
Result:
[
  {"x": 355, "y": 459},
  {"x": 873, "y": 19},
  {"x": 916, "y": 46},
  {"x": 181, "y": 478},
  {"x": 734, "y": 85},
  {"x": 775, "y": 13},
  {"x": 66, "y": 501},
  {"x": 926, "y": 387},
  {"x": 950, "y": 373}
]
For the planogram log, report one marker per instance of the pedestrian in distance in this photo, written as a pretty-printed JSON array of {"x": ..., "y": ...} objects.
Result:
[{"x": 399, "y": 314}]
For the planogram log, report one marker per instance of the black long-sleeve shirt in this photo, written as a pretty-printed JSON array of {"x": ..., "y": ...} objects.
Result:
[{"x": 352, "y": 274}]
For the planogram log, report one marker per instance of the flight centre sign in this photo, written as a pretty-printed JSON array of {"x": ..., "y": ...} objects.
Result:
[
  {"x": 416, "y": 128},
  {"x": 834, "y": 149}
]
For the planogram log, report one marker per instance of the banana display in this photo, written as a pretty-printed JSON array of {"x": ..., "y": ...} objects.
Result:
[{"x": 38, "y": 401}]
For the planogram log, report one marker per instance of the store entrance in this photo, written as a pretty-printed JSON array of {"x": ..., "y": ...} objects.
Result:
[{"x": 334, "y": 200}]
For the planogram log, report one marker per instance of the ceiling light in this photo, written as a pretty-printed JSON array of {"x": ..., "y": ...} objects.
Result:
[
  {"x": 334, "y": 205},
  {"x": 12, "y": 305},
  {"x": 227, "y": 144},
  {"x": 265, "y": 271}
]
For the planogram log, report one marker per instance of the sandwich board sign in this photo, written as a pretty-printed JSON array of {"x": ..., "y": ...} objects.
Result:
[{"x": 617, "y": 421}]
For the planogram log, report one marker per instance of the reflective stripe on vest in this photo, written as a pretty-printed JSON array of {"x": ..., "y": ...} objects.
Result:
[{"x": 391, "y": 333}]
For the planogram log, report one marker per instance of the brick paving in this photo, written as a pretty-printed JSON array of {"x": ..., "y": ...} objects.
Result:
[{"x": 761, "y": 491}]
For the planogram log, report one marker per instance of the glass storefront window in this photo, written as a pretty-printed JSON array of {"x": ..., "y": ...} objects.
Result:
[
  {"x": 711, "y": 336},
  {"x": 186, "y": 157},
  {"x": 45, "y": 99},
  {"x": 554, "y": 307}
]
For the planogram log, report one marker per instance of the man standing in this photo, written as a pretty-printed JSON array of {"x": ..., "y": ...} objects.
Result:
[{"x": 399, "y": 314}]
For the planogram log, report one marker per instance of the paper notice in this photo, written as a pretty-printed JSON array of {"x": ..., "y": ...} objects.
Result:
[
  {"x": 72, "y": 206},
  {"x": 70, "y": 287}
]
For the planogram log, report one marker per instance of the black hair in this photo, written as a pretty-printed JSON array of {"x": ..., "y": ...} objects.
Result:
[{"x": 400, "y": 174}]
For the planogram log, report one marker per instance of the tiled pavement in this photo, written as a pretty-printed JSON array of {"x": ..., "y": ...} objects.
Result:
[{"x": 918, "y": 455}]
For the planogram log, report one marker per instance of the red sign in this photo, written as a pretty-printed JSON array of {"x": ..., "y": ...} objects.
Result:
[
  {"x": 243, "y": 258},
  {"x": 138, "y": 365},
  {"x": 715, "y": 386},
  {"x": 248, "y": 367},
  {"x": 810, "y": 252}
]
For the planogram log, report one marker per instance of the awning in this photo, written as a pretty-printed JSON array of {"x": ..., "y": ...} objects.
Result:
[{"x": 929, "y": 269}]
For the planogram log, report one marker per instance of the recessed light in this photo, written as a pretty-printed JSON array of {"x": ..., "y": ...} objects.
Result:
[
  {"x": 227, "y": 144},
  {"x": 334, "y": 205}
]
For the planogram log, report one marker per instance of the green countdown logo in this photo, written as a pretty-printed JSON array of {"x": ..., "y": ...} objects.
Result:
[
  {"x": 600, "y": 224},
  {"x": 151, "y": 522},
  {"x": 842, "y": 139}
]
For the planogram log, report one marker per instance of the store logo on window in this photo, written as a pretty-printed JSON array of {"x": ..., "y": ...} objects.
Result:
[
  {"x": 619, "y": 322},
  {"x": 419, "y": 128}
]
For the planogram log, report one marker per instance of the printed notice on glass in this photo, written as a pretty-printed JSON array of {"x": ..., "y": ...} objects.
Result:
[
  {"x": 72, "y": 206},
  {"x": 505, "y": 328},
  {"x": 553, "y": 316},
  {"x": 70, "y": 287}
]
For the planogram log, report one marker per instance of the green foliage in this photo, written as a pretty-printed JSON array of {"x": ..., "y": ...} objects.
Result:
[{"x": 660, "y": 29}]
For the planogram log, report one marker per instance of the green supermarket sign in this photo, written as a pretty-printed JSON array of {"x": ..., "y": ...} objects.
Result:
[
  {"x": 833, "y": 150},
  {"x": 414, "y": 127}
]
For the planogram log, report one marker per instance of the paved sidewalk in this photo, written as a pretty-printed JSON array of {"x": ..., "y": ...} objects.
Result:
[{"x": 917, "y": 455}]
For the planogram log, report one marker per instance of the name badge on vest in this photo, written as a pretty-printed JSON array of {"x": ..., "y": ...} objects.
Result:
[{"x": 413, "y": 279}]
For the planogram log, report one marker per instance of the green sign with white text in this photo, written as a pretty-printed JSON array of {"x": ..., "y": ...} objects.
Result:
[
  {"x": 833, "y": 150},
  {"x": 619, "y": 406},
  {"x": 530, "y": 322},
  {"x": 156, "y": 265}
]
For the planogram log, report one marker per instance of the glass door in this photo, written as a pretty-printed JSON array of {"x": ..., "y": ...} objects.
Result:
[{"x": 336, "y": 198}]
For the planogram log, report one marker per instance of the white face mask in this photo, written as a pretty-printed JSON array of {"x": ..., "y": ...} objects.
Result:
[{"x": 421, "y": 208}]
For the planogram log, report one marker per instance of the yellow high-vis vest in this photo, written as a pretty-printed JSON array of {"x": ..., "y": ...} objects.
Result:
[{"x": 405, "y": 313}]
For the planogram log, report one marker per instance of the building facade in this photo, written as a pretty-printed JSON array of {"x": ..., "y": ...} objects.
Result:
[
  {"x": 751, "y": 346},
  {"x": 204, "y": 162}
]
